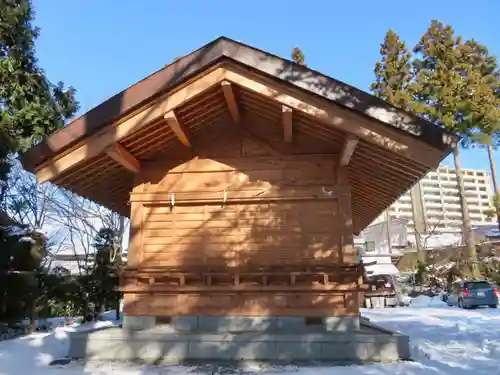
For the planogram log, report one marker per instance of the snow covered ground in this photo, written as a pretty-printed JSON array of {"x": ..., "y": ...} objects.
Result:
[{"x": 445, "y": 341}]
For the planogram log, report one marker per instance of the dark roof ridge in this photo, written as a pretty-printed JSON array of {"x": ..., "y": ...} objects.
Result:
[{"x": 193, "y": 63}]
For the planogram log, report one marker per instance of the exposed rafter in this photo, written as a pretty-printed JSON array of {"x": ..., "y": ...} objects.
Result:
[
  {"x": 96, "y": 144},
  {"x": 338, "y": 117},
  {"x": 394, "y": 148},
  {"x": 347, "y": 151},
  {"x": 177, "y": 128},
  {"x": 232, "y": 105},
  {"x": 287, "y": 115},
  {"x": 334, "y": 116},
  {"x": 121, "y": 155},
  {"x": 234, "y": 111}
]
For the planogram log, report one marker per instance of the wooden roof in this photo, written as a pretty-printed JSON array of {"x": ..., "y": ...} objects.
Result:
[{"x": 97, "y": 154}]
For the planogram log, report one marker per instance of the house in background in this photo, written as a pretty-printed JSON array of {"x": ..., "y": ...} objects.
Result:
[
  {"x": 381, "y": 244},
  {"x": 244, "y": 176},
  {"x": 377, "y": 236}
]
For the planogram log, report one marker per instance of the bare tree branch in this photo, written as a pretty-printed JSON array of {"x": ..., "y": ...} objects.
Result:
[{"x": 68, "y": 221}]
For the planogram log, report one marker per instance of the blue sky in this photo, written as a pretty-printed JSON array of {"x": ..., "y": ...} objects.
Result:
[{"x": 102, "y": 47}]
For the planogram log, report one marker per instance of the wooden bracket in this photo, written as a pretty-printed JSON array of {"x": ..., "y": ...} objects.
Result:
[
  {"x": 235, "y": 114},
  {"x": 179, "y": 130},
  {"x": 287, "y": 115},
  {"x": 347, "y": 151},
  {"x": 232, "y": 105},
  {"x": 122, "y": 156}
]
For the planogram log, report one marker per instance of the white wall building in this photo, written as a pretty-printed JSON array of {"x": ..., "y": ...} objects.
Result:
[{"x": 442, "y": 206}]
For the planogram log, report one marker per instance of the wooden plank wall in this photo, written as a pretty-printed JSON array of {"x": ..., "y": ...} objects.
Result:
[
  {"x": 245, "y": 304},
  {"x": 248, "y": 233}
]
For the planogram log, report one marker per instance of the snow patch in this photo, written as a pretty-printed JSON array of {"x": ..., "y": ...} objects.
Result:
[
  {"x": 444, "y": 341},
  {"x": 27, "y": 239},
  {"x": 426, "y": 301}
]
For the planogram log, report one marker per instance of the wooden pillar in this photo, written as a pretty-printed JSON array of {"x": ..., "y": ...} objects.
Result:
[
  {"x": 135, "y": 234},
  {"x": 348, "y": 252}
]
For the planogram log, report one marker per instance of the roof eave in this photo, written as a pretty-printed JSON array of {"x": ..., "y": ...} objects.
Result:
[
  {"x": 196, "y": 62},
  {"x": 174, "y": 74}
]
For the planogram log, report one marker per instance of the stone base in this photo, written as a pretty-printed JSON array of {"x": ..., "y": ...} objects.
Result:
[
  {"x": 162, "y": 344},
  {"x": 135, "y": 323},
  {"x": 244, "y": 324}
]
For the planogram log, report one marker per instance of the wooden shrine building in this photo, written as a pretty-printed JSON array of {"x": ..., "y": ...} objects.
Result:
[{"x": 244, "y": 176}]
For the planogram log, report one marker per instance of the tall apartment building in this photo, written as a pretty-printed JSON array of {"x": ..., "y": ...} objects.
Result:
[{"x": 441, "y": 200}]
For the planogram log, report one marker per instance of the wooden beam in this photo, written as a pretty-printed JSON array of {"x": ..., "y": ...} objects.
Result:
[
  {"x": 232, "y": 105},
  {"x": 329, "y": 114},
  {"x": 287, "y": 115},
  {"x": 337, "y": 117},
  {"x": 122, "y": 156},
  {"x": 234, "y": 112},
  {"x": 97, "y": 143},
  {"x": 179, "y": 130},
  {"x": 347, "y": 151},
  {"x": 257, "y": 194}
]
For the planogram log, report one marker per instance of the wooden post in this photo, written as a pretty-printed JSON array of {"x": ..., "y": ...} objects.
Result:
[
  {"x": 344, "y": 158},
  {"x": 348, "y": 253},
  {"x": 135, "y": 235}
]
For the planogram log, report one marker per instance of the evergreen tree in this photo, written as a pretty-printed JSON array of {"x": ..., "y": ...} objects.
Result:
[
  {"x": 485, "y": 98},
  {"x": 454, "y": 83},
  {"x": 298, "y": 57},
  {"x": 439, "y": 92},
  {"x": 393, "y": 74},
  {"x": 393, "y": 79},
  {"x": 451, "y": 84},
  {"x": 489, "y": 111},
  {"x": 107, "y": 261},
  {"x": 21, "y": 272},
  {"x": 30, "y": 106},
  {"x": 454, "y": 88}
]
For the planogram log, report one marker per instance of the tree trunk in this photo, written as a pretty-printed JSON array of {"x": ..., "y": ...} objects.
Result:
[
  {"x": 85, "y": 303},
  {"x": 388, "y": 231},
  {"x": 117, "y": 307},
  {"x": 418, "y": 221},
  {"x": 467, "y": 225},
  {"x": 493, "y": 169},
  {"x": 33, "y": 314},
  {"x": 104, "y": 305}
]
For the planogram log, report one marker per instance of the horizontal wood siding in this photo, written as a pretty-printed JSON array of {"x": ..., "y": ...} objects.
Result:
[
  {"x": 232, "y": 209},
  {"x": 248, "y": 304},
  {"x": 241, "y": 234}
]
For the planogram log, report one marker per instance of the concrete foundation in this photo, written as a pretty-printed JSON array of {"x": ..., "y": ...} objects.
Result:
[
  {"x": 204, "y": 324},
  {"x": 210, "y": 339}
]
